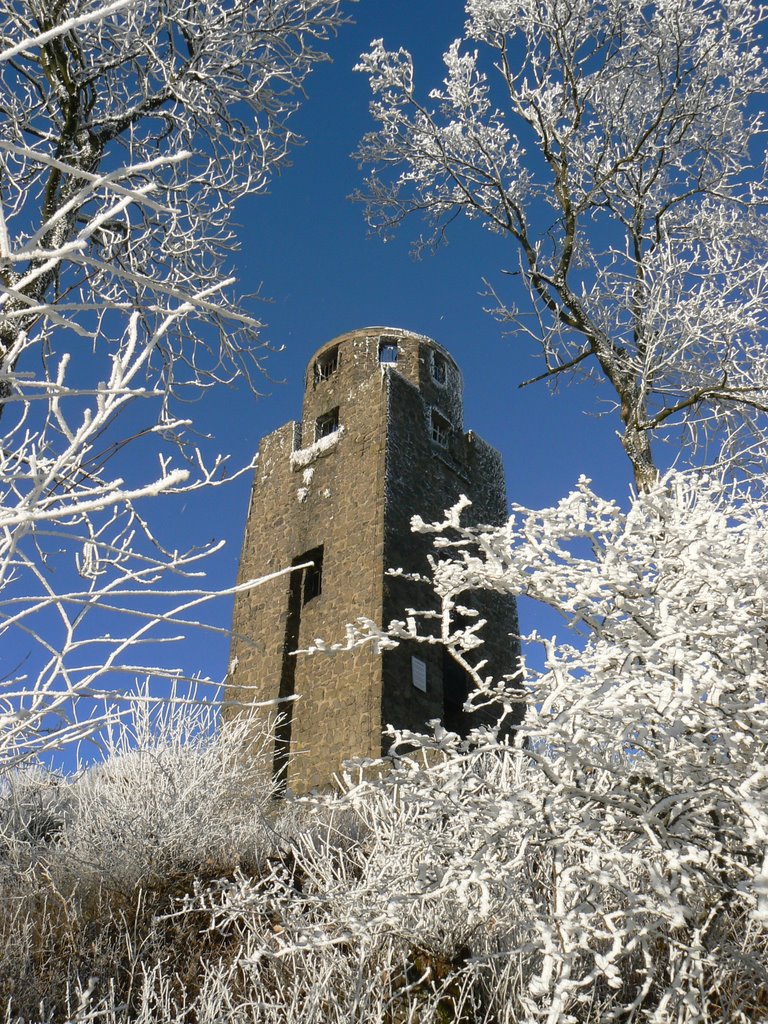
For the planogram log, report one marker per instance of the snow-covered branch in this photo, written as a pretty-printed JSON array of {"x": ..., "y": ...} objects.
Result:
[
  {"x": 128, "y": 131},
  {"x": 619, "y": 147}
]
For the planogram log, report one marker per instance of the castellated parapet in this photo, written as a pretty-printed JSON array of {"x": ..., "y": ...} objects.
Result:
[{"x": 381, "y": 439}]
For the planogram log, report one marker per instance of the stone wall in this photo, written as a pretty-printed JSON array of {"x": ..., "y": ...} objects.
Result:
[{"x": 425, "y": 479}]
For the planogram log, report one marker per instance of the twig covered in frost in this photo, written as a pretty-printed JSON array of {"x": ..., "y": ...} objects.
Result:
[{"x": 637, "y": 129}]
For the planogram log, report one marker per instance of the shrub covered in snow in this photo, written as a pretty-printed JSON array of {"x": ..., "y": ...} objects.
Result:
[{"x": 611, "y": 863}]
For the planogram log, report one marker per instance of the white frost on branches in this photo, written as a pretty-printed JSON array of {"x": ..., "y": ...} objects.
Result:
[
  {"x": 619, "y": 146},
  {"x": 615, "y": 852},
  {"x": 608, "y": 865}
]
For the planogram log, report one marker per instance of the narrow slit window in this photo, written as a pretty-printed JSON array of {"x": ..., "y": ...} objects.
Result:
[
  {"x": 439, "y": 368},
  {"x": 440, "y": 428},
  {"x": 313, "y": 575},
  {"x": 327, "y": 364},
  {"x": 327, "y": 424},
  {"x": 388, "y": 351}
]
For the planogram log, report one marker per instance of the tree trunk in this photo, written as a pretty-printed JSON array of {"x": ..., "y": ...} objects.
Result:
[{"x": 636, "y": 444}]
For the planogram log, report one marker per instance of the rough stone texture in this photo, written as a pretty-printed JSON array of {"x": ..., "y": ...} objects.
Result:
[{"x": 354, "y": 494}]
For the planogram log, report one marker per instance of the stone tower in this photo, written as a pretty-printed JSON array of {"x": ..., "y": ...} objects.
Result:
[{"x": 381, "y": 438}]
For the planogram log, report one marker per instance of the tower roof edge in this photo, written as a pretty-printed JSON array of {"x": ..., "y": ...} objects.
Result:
[{"x": 382, "y": 329}]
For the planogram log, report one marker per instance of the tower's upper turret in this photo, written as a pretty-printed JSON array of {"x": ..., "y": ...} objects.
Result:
[{"x": 338, "y": 366}]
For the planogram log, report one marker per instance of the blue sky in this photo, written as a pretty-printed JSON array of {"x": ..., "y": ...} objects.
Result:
[{"x": 306, "y": 249}]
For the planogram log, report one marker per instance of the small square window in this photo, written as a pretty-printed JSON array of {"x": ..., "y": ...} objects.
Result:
[
  {"x": 327, "y": 424},
  {"x": 440, "y": 428},
  {"x": 388, "y": 351},
  {"x": 327, "y": 364},
  {"x": 419, "y": 674},
  {"x": 439, "y": 368}
]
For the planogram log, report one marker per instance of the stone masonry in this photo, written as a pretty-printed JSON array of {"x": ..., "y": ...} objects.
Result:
[{"x": 381, "y": 439}]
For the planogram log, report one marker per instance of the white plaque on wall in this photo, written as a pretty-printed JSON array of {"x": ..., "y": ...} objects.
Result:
[{"x": 419, "y": 674}]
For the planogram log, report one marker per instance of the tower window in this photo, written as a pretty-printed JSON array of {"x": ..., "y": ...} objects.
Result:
[
  {"x": 388, "y": 351},
  {"x": 327, "y": 364},
  {"x": 440, "y": 428},
  {"x": 327, "y": 424},
  {"x": 313, "y": 576},
  {"x": 457, "y": 685},
  {"x": 439, "y": 369}
]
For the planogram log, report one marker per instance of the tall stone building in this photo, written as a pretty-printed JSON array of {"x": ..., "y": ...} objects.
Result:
[{"x": 381, "y": 439}]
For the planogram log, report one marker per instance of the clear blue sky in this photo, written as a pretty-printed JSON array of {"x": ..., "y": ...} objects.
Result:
[{"x": 305, "y": 247}]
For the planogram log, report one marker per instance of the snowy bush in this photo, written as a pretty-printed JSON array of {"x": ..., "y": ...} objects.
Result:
[
  {"x": 87, "y": 863},
  {"x": 616, "y": 852}
]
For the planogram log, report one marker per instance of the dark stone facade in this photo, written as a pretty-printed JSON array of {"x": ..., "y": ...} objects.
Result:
[{"x": 381, "y": 439}]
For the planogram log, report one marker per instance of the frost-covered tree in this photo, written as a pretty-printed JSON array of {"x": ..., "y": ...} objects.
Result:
[
  {"x": 127, "y": 133},
  {"x": 614, "y": 858},
  {"x": 618, "y": 145},
  {"x": 612, "y": 864}
]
